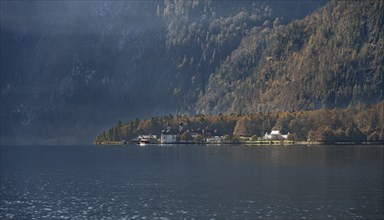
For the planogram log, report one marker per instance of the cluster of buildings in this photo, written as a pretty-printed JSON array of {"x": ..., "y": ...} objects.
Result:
[
  {"x": 170, "y": 136},
  {"x": 182, "y": 136}
]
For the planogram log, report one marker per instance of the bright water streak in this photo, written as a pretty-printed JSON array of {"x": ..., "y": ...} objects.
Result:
[{"x": 173, "y": 182}]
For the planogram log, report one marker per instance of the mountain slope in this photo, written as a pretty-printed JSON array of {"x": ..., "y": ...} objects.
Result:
[
  {"x": 201, "y": 35},
  {"x": 71, "y": 68},
  {"x": 332, "y": 58}
]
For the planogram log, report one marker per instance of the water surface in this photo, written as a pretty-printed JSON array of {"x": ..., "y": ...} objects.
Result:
[{"x": 176, "y": 182}]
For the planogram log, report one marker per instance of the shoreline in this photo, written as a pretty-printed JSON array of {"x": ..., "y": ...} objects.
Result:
[{"x": 249, "y": 143}]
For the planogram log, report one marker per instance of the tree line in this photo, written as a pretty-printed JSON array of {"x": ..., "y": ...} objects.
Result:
[{"x": 359, "y": 123}]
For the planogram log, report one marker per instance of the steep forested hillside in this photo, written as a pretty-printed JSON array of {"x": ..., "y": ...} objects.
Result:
[
  {"x": 71, "y": 68},
  {"x": 332, "y": 58},
  {"x": 201, "y": 35}
]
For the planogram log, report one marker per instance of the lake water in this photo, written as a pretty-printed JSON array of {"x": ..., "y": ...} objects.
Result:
[{"x": 201, "y": 182}]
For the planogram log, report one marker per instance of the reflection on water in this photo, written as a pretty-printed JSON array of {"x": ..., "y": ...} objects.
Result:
[{"x": 130, "y": 182}]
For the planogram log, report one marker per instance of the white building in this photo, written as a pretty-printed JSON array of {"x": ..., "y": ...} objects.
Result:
[
  {"x": 168, "y": 138},
  {"x": 275, "y": 135},
  {"x": 148, "y": 136}
]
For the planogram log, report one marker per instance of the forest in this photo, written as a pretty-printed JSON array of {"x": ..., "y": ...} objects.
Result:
[
  {"x": 331, "y": 58},
  {"x": 62, "y": 80},
  {"x": 359, "y": 123}
]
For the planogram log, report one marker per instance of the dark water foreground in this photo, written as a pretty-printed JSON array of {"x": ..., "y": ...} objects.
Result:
[{"x": 177, "y": 182}]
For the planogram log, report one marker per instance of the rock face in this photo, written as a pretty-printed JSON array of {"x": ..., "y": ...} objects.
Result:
[{"x": 69, "y": 69}]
